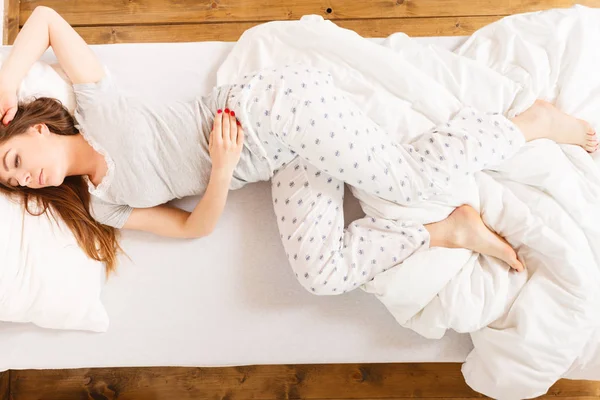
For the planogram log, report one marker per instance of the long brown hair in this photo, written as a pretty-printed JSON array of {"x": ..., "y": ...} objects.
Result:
[{"x": 71, "y": 200}]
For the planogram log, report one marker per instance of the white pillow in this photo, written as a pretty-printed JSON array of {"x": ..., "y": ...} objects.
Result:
[
  {"x": 44, "y": 80},
  {"x": 45, "y": 277}
]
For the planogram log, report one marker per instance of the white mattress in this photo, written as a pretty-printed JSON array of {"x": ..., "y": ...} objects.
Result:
[{"x": 231, "y": 298}]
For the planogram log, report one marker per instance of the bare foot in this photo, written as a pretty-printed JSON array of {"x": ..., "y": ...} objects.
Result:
[
  {"x": 544, "y": 120},
  {"x": 464, "y": 228}
]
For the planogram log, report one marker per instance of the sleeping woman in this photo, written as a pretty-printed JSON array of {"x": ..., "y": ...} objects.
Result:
[{"x": 118, "y": 161}]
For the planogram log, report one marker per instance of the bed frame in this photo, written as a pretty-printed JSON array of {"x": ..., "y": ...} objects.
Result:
[{"x": 122, "y": 21}]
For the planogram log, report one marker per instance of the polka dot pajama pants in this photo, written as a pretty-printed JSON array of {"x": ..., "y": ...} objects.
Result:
[{"x": 316, "y": 140}]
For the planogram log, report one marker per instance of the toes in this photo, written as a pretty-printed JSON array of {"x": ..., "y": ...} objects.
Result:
[
  {"x": 510, "y": 257},
  {"x": 591, "y": 144},
  {"x": 517, "y": 266},
  {"x": 514, "y": 263}
]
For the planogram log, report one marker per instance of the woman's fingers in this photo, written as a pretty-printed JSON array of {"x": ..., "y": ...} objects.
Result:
[
  {"x": 9, "y": 115},
  {"x": 237, "y": 133},
  {"x": 226, "y": 130},
  {"x": 226, "y": 126},
  {"x": 233, "y": 128},
  {"x": 218, "y": 127},
  {"x": 240, "y": 136}
]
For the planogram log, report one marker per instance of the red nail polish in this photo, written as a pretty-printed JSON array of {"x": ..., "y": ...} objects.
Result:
[
  {"x": 238, "y": 122},
  {"x": 227, "y": 111},
  {"x": 232, "y": 113},
  {"x": 219, "y": 111}
]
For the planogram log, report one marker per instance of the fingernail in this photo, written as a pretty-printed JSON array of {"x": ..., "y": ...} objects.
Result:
[
  {"x": 232, "y": 113},
  {"x": 238, "y": 122},
  {"x": 227, "y": 111},
  {"x": 219, "y": 111}
]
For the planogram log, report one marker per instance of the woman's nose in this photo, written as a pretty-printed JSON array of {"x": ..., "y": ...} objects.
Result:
[{"x": 24, "y": 179}]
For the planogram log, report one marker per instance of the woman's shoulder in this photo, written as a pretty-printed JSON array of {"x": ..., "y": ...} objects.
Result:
[
  {"x": 107, "y": 213},
  {"x": 105, "y": 94},
  {"x": 90, "y": 91}
]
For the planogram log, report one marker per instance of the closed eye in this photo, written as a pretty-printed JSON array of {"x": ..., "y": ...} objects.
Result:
[{"x": 17, "y": 161}]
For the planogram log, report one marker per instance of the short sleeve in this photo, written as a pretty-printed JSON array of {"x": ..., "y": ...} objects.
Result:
[
  {"x": 89, "y": 95},
  {"x": 114, "y": 215}
]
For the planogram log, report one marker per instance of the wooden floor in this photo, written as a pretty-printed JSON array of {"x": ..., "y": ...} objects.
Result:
[{"x": 116, "y": 21}]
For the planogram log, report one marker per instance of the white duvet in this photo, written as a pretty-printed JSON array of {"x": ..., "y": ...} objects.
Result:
[{"x": 529, "y": 329}]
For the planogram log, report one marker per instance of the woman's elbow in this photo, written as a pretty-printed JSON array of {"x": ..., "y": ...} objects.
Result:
[
  {"x": 43, "y": 11},
  {"x": 195, "y": 235},
  {"x": 188, "y": 232}
]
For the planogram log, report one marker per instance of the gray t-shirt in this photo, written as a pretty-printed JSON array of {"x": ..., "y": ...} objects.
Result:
[{"x": 155, "y": 151}]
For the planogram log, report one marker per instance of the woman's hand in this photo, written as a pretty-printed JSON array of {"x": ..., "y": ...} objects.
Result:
[
  {"x": 225, "y": 143},
  {"x": 8, "y": 105}
]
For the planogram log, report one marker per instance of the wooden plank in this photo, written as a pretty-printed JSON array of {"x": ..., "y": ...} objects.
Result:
[
  {"x": 5, "y": 385},
  {"x": 119, "y": 12},
  {"x": 227, "y": 32},
  {"x": 259, "y": 382},
  {"x": 11, "y": 21},
  {"x": 569, "y": 388},
  {"x": 230, "y": 32},
  {"x": 335, "y": 381},
  {"x": 573, "y": 397},
  {"x": 434, "y": 26}
]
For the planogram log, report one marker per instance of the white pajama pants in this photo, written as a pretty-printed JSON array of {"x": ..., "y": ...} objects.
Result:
[{"x": 316, "y": 140}]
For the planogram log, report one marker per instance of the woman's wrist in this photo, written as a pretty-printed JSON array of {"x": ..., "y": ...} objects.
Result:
[
  {"x": 8, "y": 85},
  {"x": 221, "y": 174}
]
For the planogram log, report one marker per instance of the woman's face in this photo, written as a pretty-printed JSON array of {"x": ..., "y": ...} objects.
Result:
[{"x": 34, "y": 159}]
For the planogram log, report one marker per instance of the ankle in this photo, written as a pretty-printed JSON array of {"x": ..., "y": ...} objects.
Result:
[
  {"x": 527, "y": 126},
  {"x": 443, "y": 234},
  {"x": 535, "y": 122}
]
